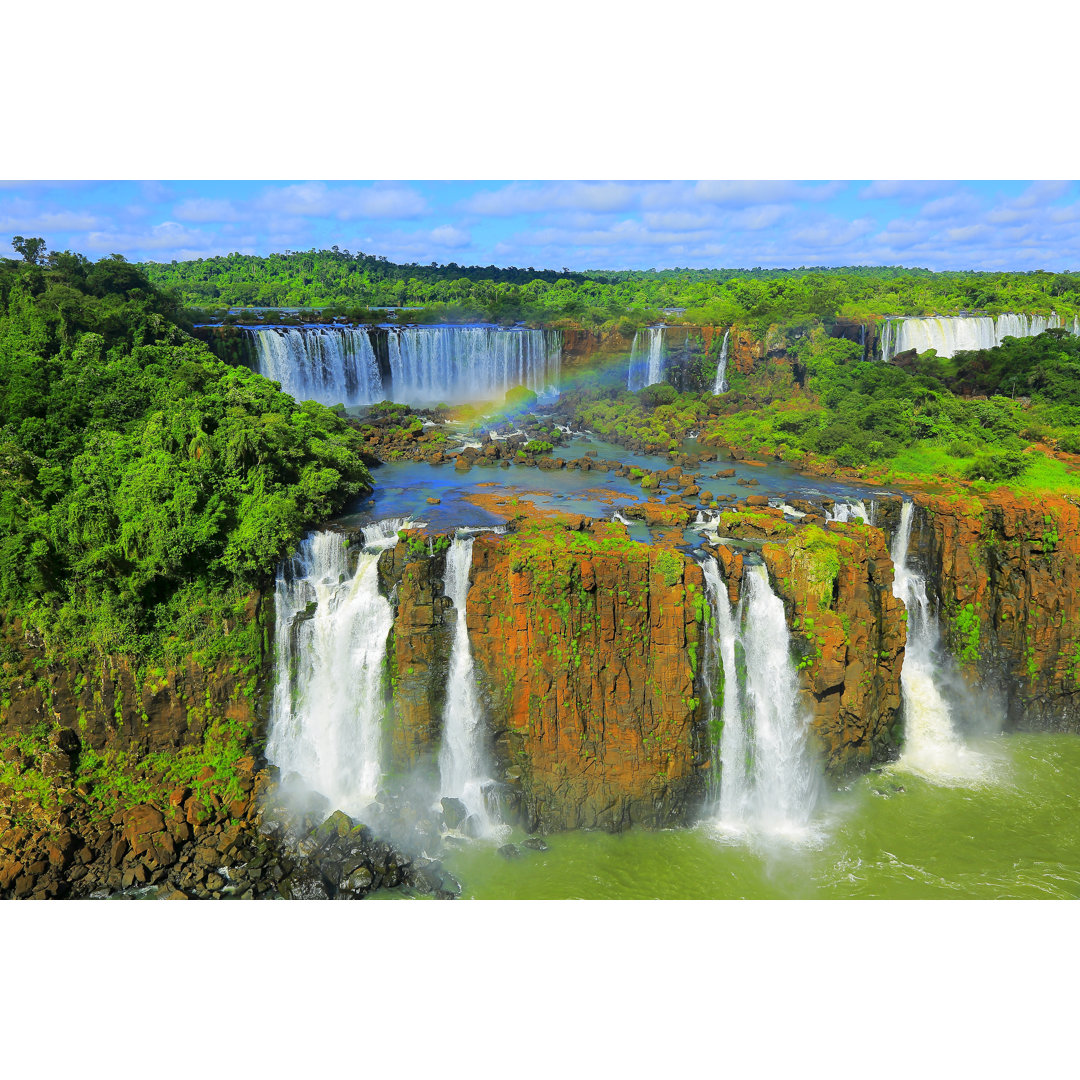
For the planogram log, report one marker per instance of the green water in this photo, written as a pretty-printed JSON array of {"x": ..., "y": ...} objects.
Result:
[{"x": 891, "y": 835}]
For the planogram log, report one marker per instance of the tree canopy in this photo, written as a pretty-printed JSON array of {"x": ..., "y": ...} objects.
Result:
[{"x": 142, "y": 480}]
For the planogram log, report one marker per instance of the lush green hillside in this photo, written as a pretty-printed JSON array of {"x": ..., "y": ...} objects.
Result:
[{"x": 145, "y": 486}]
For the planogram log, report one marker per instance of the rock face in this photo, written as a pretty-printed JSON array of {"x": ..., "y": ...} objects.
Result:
[
  {"x": 848, "y": 629},
  {"x": 584, "y": 642},
  {"x": 113, "y": 706},
  {"x": 852, "y": 633},
  {"x": 1007, "y": 571},
  {"x": 419, "y": 650}
]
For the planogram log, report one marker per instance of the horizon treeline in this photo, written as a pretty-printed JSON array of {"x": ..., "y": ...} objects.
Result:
[{"x": 355, "y": 284}]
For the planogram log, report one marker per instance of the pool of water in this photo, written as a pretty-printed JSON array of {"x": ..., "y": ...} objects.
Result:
[
  {"x": 403, "y": 487},
  {"x": 1015, "y": 833}
]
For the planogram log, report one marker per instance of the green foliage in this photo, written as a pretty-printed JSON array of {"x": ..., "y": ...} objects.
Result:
[
  {"x": 967, "y": 625},
  {"x": 670, "y": 565},
  {"x": 146, "y": 484}
]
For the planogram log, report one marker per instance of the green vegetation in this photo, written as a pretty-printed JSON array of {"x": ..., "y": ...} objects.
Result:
[
  {"x": 351, "y": 285},
  {"x": 828, "y": 408},
  {"x": 147, "y": 486}
]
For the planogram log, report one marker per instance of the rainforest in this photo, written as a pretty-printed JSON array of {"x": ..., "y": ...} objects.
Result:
[{"x": 325, "y": 576}]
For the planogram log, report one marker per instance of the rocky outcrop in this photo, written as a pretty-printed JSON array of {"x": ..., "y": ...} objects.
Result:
[
  {"x": 419, "y": 648},
  {"x": 1007, "y": 571},
  {"x": 585, "y": 643},
  {"x": 848, "y": 629}
]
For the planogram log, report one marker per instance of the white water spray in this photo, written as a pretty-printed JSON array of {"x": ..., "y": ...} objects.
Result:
[
  {"x": 721, "y": 384},
  {"x": 331, "y": 629},
  {"x": 931, "y": 745},
  {"x": 949, "y": 334},
  {"x": 769, "y": 780},
  {"x": 463, "y": 758},
  {"x": 427, "y": 364},
  {"x": 469, "y": 363},
  {"x": 646, "y": 359},
  {"x": 333, "y": 365}
]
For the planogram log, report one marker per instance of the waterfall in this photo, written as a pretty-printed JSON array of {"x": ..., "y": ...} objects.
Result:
[
  {"x": 949, "y": 334},
  {"x": 850, "y": 510},
  {"x": 728, "y": 781},
  {"x": 769, "y": 780},
  {"x": 427, "y": 364},
  {"x": 463, "y": 759},
  {"x": 721, "y": 385},
  {"x": 931, "y": 745},
  {"x": 646, "y": 360},
  {"x": 468, "y": 363},
  {"x": 334, "y": 365},
  {"x": 331, "y": 626}
]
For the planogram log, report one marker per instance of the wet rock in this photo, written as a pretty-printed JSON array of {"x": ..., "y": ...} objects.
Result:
[
  {"x": 509, "y": 851},
  {"x": 454, "y": 812},
  {"x": 534, "y": 843}
]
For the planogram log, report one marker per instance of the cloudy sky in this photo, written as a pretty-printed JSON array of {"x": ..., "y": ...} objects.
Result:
[{"x": 1014, "y": 225}]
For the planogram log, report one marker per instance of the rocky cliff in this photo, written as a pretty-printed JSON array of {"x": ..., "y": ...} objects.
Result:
[
  {"x": 1007, "y": 571},
  {"x": 587, "y": 645}
]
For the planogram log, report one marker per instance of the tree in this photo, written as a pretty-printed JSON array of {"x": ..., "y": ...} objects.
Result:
[{"x": 32, "y": 249}]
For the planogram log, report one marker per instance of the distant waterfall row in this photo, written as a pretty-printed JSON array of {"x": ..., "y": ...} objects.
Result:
[
  {"x": 950, "y": 334},
  {"x": 415, "y": 365}
]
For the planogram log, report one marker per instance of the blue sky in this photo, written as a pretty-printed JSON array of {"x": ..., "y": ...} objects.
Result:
[{"x": 986, "y": 225}]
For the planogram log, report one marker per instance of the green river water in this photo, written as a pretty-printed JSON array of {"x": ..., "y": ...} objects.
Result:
[{"x": 1015, "y": 833}]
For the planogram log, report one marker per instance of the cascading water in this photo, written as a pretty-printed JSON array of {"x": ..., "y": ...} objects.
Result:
[
  {"x": 769, "y": 780},
  {"x": 331, "y": 628},
  {"x": 427, "y": 364},
  {"x": 467, "y": 363},
  {"x": 646, "y": 359},
  {"x": 949, "y": 334},
  {"x": 463, "y": 758},
  {"x": 850, "y": 511},
  {"x": 721, "y": 385},
  {"x": 728, "y": 784},
  {"x": 334, "y": 365},
  {"x": 931, "y": 744}
]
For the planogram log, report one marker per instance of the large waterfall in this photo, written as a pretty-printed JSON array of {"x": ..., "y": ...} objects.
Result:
[
  {"x": 463, "y": 758},
  {"x": 421, "y": 364},
  {"x": 470, "y": 363},
  {"x": 646, "y": 358},
  {"x": 721, "y": 384},
  {"x": 331, "y": 628},
  {"x": 769, "y": 780},
  {"x": 931, "y": 744},
  {"x": 949, "y": 334},
  {"x": 328, "y": 364}
]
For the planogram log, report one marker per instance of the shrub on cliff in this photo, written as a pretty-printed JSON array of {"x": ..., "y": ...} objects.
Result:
[{"x": 140, "y": 477}]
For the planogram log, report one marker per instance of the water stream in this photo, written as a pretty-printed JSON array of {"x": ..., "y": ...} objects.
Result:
[
  {"x": 330, "y": 638},
  {"x": 769, "y": 780},
  {"x": 464, "y": 767},
  {"x": 932, "y": 746},
  {"x": 721, "y": 384}
]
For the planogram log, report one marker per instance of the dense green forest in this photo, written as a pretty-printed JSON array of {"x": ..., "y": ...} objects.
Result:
[
  {"x": 145, "y": 486},
  {"x": 354, "y": 284}
]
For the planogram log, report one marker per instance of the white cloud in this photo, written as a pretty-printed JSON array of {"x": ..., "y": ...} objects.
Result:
[
  {"x": 517, "y": 198},
  {"x": 1040, "y": 192},
  {"x": 316, "y": 199},
  {"x": 207, "y": 210},
  {"x": 906, "y": 190},
  {"x": 450, "y": 236}
]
